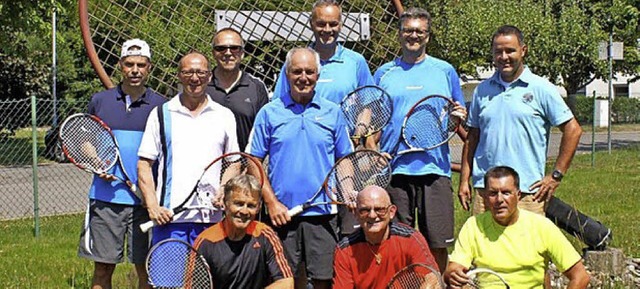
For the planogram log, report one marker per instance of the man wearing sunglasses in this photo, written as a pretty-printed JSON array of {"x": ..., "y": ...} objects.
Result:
[
  {"x": 235, "y": 89},
  {"x": 379, "y": 246}
]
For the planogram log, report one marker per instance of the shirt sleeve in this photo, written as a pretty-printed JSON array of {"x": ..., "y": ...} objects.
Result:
[
  {"x": 91, "y": 107},
  {"x": 282, "y": 85},
  {"x": 343, "y": 143},
  {"x": 259, "y": 138},
  {"x": 456, "y": 89},
  {"x": 364, "y": 73},
  {"x": 231, "y": 144},
  {"x": 277, "y": 263},
  {"x": 342, "y": 277},
  {"x": 419, "y": 250},
  {"x": 462, "y": 250},
  {"x": 150, "y": 145},
  {"x": 474, "y": 110},
  {"x": 555, "y": 108},
  {"x": 560, "y": 250}
]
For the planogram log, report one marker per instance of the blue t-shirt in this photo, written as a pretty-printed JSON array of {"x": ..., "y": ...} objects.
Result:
[
  {"x": 407, "y": 84},
  {"x": 303, "y": 142},
  {"x": 127, "y": 122},
  {"x": 514, "y": 124},
  {"x": 345, "y": 71}
]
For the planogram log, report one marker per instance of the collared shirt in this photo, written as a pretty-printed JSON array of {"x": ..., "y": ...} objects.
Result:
[
  {"x": 407, "y": 84},
  {"x": 244, "y": 99},
  {"x": 303, "y": 142},
  {"x": 514, "y": 124},
  {"x": 192, "y": 143},
  {"x": 339, "y": 75},
  {"x": 127, "y": 122}
]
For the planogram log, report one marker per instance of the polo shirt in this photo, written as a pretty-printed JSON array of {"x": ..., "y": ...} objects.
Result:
[
  {"x": 127, "y": 122},
  {"x": 253, "y": 262},
  {"x": 408, "y": 83},
  {"x": 339, "y": 75},
  {"x": 244, "y": 99},
  {"x": 303, "y": 142},
  {"x": 191, "y": 144},
  {"x": 514, "y": 124}
]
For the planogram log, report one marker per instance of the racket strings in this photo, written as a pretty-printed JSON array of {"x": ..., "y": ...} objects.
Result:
[
  {"x": 486, "y": 280},
  {"x": 88, "y": 143},
  {"x": 355, "y": 172},
  {"x": 173, "y": 264},
  {"x": 430, "y": 124},
  {"x": 416, "y": 277},
  {"x": 366, "y": 110}
]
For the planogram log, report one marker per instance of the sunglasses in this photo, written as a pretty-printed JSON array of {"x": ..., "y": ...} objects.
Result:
[
  {"x": 223, "y": 48},
  {"x": 379, "y": 211}
]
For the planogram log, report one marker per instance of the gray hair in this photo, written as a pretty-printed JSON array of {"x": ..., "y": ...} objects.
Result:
[
  {"x": 325, "y": 3},
  {"x": 247, "y": 184},
  {"x": 413, "y": 13},
  {"x": 287, "y": 63}
]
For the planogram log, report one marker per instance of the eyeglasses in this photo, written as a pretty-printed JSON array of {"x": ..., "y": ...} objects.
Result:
[
  {"x": 380, "y": 211},
  {"x": 419, "y": 32},
  {"x": 223, "y": 48},
  {"x": 199, "y": 73}
]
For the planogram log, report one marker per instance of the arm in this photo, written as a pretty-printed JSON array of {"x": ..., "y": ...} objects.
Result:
[
  {"x": 342, "y": 278},
  {"x": 456, "y": 275},
  {"x": 468, "y": 151},
  {"x": 571, "y": 132},
  {"x": 578, "y": 276},
  {"x": 285, "y": 283},
  {"x": 157, "y": 214},
  {"x": 278, "y": 212}
]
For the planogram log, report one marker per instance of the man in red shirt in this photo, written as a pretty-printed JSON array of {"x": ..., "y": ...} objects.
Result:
[{"x": 370, "y": 257}]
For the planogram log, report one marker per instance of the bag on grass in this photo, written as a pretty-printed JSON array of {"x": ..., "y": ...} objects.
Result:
[{"x": 589, "y": 231}]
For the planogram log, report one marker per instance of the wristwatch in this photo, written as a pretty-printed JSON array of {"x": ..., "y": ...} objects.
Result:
[{"x": 557, "y": 175}]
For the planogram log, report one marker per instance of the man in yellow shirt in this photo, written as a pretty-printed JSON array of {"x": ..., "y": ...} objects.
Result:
[{"x": 515, "y": 243}]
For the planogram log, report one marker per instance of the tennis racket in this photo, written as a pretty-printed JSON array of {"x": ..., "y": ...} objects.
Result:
[
  {"x": 485, "y": 278},
  {"x": 174, "y": 263},
  {"x": 367, "y": 110},
  {"x": 430, "y": 123},
  {"x": 90, "y": 145},
  {"x": 208, "y": 190},
  {"x": 348, "y": 176},
  {"x": 416, "y": 276}
]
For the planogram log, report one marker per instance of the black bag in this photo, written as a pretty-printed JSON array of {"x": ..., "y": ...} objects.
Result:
[{"x": 588, "y": 230}]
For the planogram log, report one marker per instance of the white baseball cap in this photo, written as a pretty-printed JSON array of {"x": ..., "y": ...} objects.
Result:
[{"x": 143, "y": 51}]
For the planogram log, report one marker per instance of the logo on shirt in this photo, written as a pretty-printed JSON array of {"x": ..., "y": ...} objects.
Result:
[
  {"x": 527, "y": 97},
  {"x": 256, "y": 245},
  {"x": 318, "y": 118},
  {"x": 247, "y": 99},
  {"x": 414, "y": 87}
]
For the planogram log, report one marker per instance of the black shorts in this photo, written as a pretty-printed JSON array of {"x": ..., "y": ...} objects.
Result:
[
  {"x": 311, "y": 240},
  {"x": 432, "y": 196}
]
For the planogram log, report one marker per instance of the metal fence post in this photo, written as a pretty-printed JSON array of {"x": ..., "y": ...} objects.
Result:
[{"x": 34, "y": 167}]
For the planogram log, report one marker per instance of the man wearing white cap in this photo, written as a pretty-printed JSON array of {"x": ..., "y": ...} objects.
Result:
[{"x": 114, "y": 215}]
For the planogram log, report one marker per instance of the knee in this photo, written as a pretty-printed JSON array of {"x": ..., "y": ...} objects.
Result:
[{"x": 103, "y": 270}]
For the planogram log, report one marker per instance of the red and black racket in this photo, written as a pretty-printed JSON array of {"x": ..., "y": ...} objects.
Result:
[
  {"x": 367, "y": 110},
  {"x": 174, "y": 263},
  {"x": 416, "y": 276},
  {"x": 348, "y": 176},
  {"x": 208, "y": 190},
  {"x": 90, "y": 145}
]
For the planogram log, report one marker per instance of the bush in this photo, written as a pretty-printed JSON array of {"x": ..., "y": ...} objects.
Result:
[{"x": 623, "y": 110}]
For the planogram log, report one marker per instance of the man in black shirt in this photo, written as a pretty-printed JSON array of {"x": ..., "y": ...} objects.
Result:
[{"x": 241, "y": 92}]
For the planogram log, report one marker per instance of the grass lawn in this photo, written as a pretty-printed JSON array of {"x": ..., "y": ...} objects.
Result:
[{"x": 609, "y": 193}]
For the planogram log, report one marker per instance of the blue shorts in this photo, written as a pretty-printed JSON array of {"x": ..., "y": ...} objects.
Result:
[{"x": 187, "y": 232}]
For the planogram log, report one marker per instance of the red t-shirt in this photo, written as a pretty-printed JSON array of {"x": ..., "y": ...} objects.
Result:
[{"x": 355, "y": 264}]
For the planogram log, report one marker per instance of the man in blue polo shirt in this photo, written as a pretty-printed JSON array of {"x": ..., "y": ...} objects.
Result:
[
  {"x": 342, "y": 69},
  {"x": 303, "y": 135},
  {"x": 510, "y": 118},
  {"x": 115, "y": 213},
  {"x": 420, "y": 180}
]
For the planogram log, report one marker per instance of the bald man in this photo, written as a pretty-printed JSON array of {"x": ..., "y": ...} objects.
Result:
[
  {"x": 202, "y": 130},
  {"x": 380, "y": 247}
]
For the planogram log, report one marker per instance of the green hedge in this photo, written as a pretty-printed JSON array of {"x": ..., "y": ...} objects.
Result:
[{"x": 624, "y": 110}]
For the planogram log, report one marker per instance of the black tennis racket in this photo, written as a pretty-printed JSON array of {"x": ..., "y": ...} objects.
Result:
[
  {"x": 430, "y": 123},
  {"x": 90, "y": 145},
  {"x": 348, "y": 176},
  {"x": 173, "y": 263},
  {"x": 208, "y": 190},
  {"x": 486, "y": 278},
  {"x": 367, "y": 110},
  {"x": 416, "y": 276}
]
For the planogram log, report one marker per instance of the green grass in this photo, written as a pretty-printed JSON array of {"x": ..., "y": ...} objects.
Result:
[
  {"x": 609, "y": 193},
  {"x": 16, "y": 150}
]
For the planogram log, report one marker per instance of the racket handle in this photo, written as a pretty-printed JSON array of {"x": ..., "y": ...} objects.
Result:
[
  {"x": 145, "y": 227},
  {"x": 296, "y": 210}
]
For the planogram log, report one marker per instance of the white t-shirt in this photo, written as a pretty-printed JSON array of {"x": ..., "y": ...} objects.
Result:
[{"x": 195, "y": 142}]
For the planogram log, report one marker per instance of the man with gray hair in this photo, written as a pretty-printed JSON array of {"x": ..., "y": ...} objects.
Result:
[{"x": 303, "y": 135}]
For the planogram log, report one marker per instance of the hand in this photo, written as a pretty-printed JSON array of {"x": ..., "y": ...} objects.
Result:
[
  {"x": 218, "y": 199},
  {"x": 279, "y": 213},
  {"x": 464, "y": 195},
  {"x": 386, "y": 155},
  {"x": 460, "y": 112},
  {"x": 107, "y": 177},
  {"x": 546, "y": 188},
  {"x": 159, "y": 215},
  {"x": 457, "y": 278}
]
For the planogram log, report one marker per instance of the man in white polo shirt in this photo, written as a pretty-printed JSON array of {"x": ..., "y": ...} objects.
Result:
[{"x": 184, "y": 136}]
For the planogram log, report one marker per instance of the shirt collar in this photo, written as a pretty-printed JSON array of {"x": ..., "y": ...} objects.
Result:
[
  {"x": 526, "y": 76},
  {"x": 338, "y": 56},
  {"x": 176, "y": 105},
  {"x": 121, "y": 94},
  {"x": 243, "y": 81},
  {"x": 288, "y": 100}
]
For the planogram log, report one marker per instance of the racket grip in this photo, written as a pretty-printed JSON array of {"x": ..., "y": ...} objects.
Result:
[
  {"x": 295, "y": 210},
  {"x": 145, "y": 227}
]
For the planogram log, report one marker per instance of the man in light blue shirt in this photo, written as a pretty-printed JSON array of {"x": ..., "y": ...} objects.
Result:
[
  {"x": 303, "y": 135},
  {"x": 510, "y": 118},
  {"x": 420, "y": 180}
]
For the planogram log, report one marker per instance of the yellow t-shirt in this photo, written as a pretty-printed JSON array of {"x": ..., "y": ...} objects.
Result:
[{"x": 520, "y": 252}]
